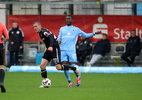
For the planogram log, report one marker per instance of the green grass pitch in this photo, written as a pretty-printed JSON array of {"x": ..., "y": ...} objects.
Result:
[{"x": 94, "y": 86}]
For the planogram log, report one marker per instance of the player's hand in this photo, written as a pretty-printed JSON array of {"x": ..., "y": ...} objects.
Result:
[
  {"x": 59, "y": 41},
  {"x": 98, "y": 32},
  {"x": 50, "y": 49}
]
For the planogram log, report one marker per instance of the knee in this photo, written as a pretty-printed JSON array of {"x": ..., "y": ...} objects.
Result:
[{"x": 42, "y": 66}]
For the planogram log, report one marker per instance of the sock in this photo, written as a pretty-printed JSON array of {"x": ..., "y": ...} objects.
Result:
[
  {"x": 66, "y": 67},
  {"x": 74, "y": 71},
  {"x": 67, "y": 74},
  {"x": 2, "y": 74},
  {"x": 44, "y": 73}
]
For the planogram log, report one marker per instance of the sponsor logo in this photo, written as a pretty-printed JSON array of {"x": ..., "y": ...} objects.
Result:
[{"x": 100, "y": 27}]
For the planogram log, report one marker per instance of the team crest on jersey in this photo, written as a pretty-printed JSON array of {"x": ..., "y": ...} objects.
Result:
[
  {"x": 12, "y": 32},
  {"x": 68, "y": 33},
  {"x": 46, "y": 34},
  {"x": 17, "y": 32},
  {"x": 73, "y": 30}
]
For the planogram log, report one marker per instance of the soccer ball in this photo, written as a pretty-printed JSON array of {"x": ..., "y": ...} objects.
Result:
[{"x": 46, "y": 82}]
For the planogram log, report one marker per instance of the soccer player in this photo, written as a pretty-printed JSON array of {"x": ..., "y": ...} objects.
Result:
[
  {"x": 52, "y": 52},
  {"x": 68, "y": 37},
  {"x": 3, "y": 31}
]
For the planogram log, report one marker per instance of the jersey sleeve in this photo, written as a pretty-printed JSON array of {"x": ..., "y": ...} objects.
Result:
[
  {"x": 83, "y": 34},
  {"x": 5, "y": 31}
]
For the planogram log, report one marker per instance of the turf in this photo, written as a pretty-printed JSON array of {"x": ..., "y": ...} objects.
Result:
[{"x": 94, "y": 86}]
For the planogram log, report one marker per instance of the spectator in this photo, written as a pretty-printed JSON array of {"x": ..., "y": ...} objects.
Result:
[
  {"x": 100, "y": 49},
  {"x": 132, "y": 48},
  {"x": 83, "y": 49},
  {"x": 15, "y": 42}
]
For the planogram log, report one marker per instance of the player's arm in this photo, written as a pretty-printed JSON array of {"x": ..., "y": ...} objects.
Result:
[
  {"x": 83, "y": 34},
  {"x": 59, "y": 37}
]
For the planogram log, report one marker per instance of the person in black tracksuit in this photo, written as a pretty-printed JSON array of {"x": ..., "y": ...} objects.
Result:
[
  {"x": 15, "y": 42},
  {"x": 132, "y": 48},
  {"x": 83, "y": 49},
  {"x": 100, "y": 49}
]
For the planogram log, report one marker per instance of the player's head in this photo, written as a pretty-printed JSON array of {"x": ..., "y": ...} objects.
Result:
[
  {"x": 15, "y": 25},
  {"x": 37, "y": 26},
  {"x": 69, "y": 20},
  {"x": 104, "y": 36},
  {"x": 133, "y": 33}
]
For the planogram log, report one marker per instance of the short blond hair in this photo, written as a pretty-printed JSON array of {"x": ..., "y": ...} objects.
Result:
[{"x": 37, "y": 22}]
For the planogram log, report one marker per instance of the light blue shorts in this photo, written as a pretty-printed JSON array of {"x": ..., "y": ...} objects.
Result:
[{"x": 69, "y": 56}]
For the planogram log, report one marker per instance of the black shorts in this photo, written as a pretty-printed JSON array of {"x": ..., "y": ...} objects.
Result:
[
  {"x": 1, "y": 55},
  {"x": 55, "y": 55}
]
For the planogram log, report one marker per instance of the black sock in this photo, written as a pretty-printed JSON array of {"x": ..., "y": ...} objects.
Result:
[
  {"x": 66, "y": 67},
  {"x": 2, "y": 74},
  {"x": 44, "y": 73}
]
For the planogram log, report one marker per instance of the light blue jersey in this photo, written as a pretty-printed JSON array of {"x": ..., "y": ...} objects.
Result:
[{"x": 69, "y": 35}]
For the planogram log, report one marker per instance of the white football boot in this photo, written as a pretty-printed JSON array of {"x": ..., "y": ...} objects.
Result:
[
  {"x": 41, "y": 86},
  {"x": 77, "y": 70}
]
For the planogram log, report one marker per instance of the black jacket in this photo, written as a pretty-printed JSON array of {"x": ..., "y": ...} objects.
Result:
[
  {"x": 16, "y": 36},
  {"x": 84, "y": 46},
  {"x": 102, "y": 47},
  {"x": 136, "y": 45}
]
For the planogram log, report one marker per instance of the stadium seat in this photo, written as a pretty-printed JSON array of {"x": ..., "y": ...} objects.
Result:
[
  {"x": 32, "y": 53},
  {"x": 119, "y": 49}
]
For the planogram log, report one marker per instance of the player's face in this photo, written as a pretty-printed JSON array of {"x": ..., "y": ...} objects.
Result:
[
  {"x": 15, "y": 25},
  {"x": 37, "y": 27},
  {"x": 133, "y": 33},
  {"x": 69, "y": 20}
]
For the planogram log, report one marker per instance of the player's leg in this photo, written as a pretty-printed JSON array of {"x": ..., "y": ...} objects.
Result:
[
  {"x": 45, "y": 60},
  {"x": 61, "y": 55},
  {"x": 2, "y": 73},
  {"x": 73, "y": 59},
  {"x": 43, "y": 64}
]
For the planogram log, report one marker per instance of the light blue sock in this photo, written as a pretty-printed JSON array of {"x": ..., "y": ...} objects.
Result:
[
  {"x": 74, "y": 71},
  {"x": 67, "y": 74}
]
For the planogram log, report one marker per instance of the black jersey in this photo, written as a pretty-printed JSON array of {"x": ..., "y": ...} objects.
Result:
[{"x": 48, "y": 38}]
